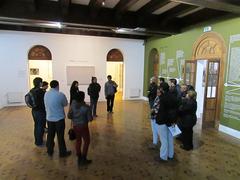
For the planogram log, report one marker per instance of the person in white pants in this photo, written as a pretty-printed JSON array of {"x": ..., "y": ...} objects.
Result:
[
  {"x": 154, "y": 112},
  {"x": 167, "y": 146}
]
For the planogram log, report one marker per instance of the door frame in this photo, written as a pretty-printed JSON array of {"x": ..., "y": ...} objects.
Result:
[
  {"x": 211, "y": 46},
  {"x": 38, "y": 52},
  {"x": 204, "y": 122},
  {"x": 116, "y": 55}
]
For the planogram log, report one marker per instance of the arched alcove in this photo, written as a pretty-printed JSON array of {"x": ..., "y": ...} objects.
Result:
[
  {"x": 114, "y": 55},
  {"x": 39, "y": 52},
  {"x": 153, "y": 65},
  {"x": 39, "y": 64},
  {"x": 115, "y": 68}
]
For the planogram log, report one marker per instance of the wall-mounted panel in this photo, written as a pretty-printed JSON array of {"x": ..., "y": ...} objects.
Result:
[{"x": 82, "y": 74}]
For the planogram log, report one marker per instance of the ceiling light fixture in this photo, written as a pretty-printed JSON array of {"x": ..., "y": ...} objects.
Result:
[
  {"x": 54, "y": 24},
  {"x": 103, "y": 3}
]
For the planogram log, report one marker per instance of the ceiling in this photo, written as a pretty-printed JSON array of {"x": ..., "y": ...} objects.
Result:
[{"x": 114, "y": 18}]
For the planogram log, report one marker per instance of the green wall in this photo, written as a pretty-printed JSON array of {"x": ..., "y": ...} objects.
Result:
[{"x": 184, "y": 42}]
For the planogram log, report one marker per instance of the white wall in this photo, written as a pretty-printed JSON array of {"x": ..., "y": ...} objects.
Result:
[
  {"x": 66, "y": 50},
  {"x": 200, "y": 87}
]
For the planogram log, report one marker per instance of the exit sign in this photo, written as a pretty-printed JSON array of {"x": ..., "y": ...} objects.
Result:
[{"x": 207, "y": 29}]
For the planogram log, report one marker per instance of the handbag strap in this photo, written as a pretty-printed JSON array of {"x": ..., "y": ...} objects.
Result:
[{"x": 70, "y": 109}]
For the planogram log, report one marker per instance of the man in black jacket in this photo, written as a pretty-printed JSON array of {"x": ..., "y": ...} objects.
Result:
[
  {"x": 38, "y": 112},
  {"x": 93, "y": 91}
]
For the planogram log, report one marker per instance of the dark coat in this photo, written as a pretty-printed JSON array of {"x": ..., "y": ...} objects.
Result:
[
  {"x": 167, "y": 113},
  {"x": 152, "y": 91},
  {"x": 93, "y": 90},
  {"x": 187, "y": 113},
  {"x": 73, "y": 93},
  {"x": 38, "y": 94}
]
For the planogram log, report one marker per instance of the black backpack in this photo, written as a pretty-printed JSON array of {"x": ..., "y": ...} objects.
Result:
[{"x": 30, "y": 99}]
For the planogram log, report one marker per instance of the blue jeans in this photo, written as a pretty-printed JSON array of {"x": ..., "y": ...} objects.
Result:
[
  {"x": 154, "y": 131},
  {"x": 166, "y": 138},
  {"x": 93, "y": 105},
  {"x": 39, "y": 118}
]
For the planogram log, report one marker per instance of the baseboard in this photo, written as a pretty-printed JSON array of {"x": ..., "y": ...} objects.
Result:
[
  {"x": 144, "y": 98},
  {"x": 15, "y": 104},
  {"x": 229, "y": 131}
]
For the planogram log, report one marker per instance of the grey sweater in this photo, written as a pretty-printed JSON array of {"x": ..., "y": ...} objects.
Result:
[
  {"x": 109, "y": 87},
  {"x": 81, "y": 113}
]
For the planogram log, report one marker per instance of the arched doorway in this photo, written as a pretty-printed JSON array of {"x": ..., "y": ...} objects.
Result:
[
  {"x": 39, "y": 63},
  {"x": 207, "y": 66},
  {"x": 115, "y": 69},
  {"x": 153, "y": 66}
]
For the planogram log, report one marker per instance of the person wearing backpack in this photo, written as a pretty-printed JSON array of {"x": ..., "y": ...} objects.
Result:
[{"x": 38, "y": 110}]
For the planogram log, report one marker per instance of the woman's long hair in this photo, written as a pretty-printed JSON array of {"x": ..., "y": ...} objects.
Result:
[{"x": 73, "y": 86}]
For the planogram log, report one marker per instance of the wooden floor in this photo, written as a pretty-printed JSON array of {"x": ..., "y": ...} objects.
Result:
[{"x": 118, "y": 149}]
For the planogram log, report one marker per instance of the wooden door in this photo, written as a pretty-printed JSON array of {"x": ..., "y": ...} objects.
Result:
[
  {"x": 211, "y": 93},
  {"x": 190, "y": 72}
]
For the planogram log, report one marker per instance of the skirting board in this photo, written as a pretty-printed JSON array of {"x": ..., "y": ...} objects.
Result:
[{"x": 229, "y": 131}]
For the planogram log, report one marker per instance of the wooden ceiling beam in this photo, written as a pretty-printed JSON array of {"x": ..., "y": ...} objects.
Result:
[
  {"x": 64, "y": 6},
  {"x": 204, "y": 15},
  {"x": 93, "y": 3},
  {"x": 50, "y": 11},
  {"x": 94, "y": 7},
  {"x": 152, "y": 6},
  {"x": 172, "y": 14},
  {"x": 124, "y": 5},
  {"x": 219, "y": 5},
  {"x": 183, "y": 9},
  {"x": 2, "y": 2},
  {"x": 72, "y": 31}
]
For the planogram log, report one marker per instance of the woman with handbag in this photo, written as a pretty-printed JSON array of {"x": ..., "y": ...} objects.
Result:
[{"x": 81, "y": 115}]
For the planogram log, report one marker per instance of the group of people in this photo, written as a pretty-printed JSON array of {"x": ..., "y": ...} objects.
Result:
[
  {"x": 49, "y": 107},
  {"x": 171, "y": 104}
]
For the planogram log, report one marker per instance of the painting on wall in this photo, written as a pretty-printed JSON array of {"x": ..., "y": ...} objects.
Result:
[{"x": 34, "y": 71}]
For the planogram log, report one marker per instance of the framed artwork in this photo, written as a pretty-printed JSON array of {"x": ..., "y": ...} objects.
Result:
[{"x": 34, "y": 71}]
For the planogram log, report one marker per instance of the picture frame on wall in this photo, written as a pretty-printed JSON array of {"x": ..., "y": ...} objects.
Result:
[{"x": 34, "y": 71}]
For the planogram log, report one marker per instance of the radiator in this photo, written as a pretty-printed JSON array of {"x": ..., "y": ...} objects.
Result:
[
  {"x": 134, "y": 93},
  {"x": 15, "y": 97}
]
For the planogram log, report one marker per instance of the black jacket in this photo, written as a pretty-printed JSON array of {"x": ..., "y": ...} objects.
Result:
[
  {"x": 73, "y": 93},
  {"x": 152, "y": 91},
  {"x": 187, "y": 113},
  {"x": 167, "y": 113},
  {"x": 38, "y": 94},
  {"x": 93, "y": 90}
]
